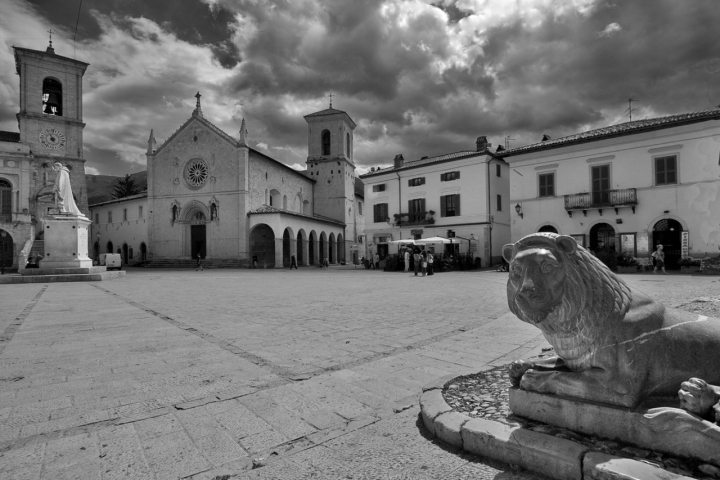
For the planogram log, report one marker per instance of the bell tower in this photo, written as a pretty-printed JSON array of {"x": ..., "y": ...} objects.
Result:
[
  {"x": 330, "y": 163},
  {"x": 51, "y": 118}
]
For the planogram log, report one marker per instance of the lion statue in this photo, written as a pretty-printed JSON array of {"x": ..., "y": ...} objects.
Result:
[{"x": 613, "y": 344}]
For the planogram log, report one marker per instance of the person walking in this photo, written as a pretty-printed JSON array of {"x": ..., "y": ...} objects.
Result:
[
  {"x": 377, "y": 261},
  {"x": 424, "y": 263},
  {"x": 406, "y": 256},
  {"x": 199, "y": 265},
  {"x": 659, "y": 257},
  {"x": 430, "y": 260},
  {"x": 417, "y": 261},
  {"x": 293, "y": 262}
]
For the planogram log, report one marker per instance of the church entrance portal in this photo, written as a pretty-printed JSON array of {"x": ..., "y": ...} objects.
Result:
[
  {"x": 198, "y": 236},
  {"x": 668, "y": 233},
  {"x": 262, "y": 246}
]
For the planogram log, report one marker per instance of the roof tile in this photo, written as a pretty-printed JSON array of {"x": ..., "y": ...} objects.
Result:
[{"x": 9, "y": 136}]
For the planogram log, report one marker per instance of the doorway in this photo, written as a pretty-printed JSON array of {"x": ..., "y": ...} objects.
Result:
[
  {"x": 125, "y": 254},
  {"x": 602, "y": 238},
  {"x": 668, "y": 233},
  {"x": 6, "y": 250},
  {"x": 197, "y": 240}
]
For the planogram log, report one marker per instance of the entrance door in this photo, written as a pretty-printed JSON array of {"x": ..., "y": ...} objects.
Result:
[
  {"x": 602, "y": 238},
  {"x": 6, "y": 249},
  {"x": 382, "y": 251},
  {"x": 668, "y": 233},
  {"x": 601, "y": 185},
  {"x": 197, "y": 240}
]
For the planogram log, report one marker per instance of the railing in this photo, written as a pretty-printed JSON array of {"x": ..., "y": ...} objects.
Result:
[{"x": 604, "y": 198}]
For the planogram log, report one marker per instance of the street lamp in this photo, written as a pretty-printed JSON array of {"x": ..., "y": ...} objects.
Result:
[{"x": 518, "y": 210}]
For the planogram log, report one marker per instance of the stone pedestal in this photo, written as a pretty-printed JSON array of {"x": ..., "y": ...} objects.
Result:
[{"x": 66, "y": 242}]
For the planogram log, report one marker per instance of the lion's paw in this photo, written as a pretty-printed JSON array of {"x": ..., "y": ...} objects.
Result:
[
  {"x": 697, "y": 396},
  {"x": 517, "y": 370}
]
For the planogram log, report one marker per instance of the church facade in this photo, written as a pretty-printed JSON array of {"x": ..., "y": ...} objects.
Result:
[
  {"x": 212, "y": 195},
  {"x": 50, "y": 124}
]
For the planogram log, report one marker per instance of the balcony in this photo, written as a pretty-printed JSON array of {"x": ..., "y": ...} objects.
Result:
[
  {"x": 620, "y": 198},
  {"x": 414, "y": 218}
]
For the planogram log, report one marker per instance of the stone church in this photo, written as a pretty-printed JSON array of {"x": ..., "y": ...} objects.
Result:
[
  {"x": 211, "y": 194},
  {"x": 50, "y": 124}
]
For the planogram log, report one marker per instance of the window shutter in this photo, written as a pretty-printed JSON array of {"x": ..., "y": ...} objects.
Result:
[
  {"x": 422, "y": 205},
  {"x": 456, "y": 203},
  {"x": 422, "y": 182},
  {"x": 443, "y": 206},
  {"x": 442, "y": 177},
  {"x": 410, "y": 210},
  {"x": 457, "y": 175}
]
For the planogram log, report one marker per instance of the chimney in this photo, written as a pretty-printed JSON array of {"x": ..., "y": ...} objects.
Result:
[
  {"x": 546, "y": 138},
  {"x": 399, "y": 160},
  {"x": 481, "y": 143}
]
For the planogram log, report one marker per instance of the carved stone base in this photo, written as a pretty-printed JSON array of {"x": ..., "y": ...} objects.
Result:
[
  {"x": 66, "y": 242},
  {"x": 658, "y": 425}
]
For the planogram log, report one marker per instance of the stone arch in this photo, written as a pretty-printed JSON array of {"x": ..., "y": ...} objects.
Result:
[
  {"x": 332, "y": 248},
  {"x": 312, "y": 248},
  {"x": 548, "y": 227},
  {"x": 340, "y": 248},
  {"x": 655, "y": 220},
  {"x": 275, "y": 198},
  {"x": 194, "y": 206},
  {"x": 262, "y": 246},
  {"x": 109, "y": 247},
  {"x": 322, "y": 250},
  {"x": 602, "y": 237},
  {"x": 668, "y": 233},
  {"x": 301, "y": 246}
]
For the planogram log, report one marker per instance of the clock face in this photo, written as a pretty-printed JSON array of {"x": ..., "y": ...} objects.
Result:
[{"x": 51, "y": 138}]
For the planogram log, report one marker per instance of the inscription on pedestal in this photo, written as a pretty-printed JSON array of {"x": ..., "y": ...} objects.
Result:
[{"x": 82, "y": 242}]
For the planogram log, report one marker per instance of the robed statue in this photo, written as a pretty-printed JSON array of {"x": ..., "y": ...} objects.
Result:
[{"x": 64, "y": 201}]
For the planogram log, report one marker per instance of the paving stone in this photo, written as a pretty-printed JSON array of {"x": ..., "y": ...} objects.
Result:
[
  {"x": 432, "y": 404},
  {"x": 219, "y": 448},
  {"x": 173, "y": 455},
  {"x": 448, "y": 427},
  {"x": 600, "y": 466}
]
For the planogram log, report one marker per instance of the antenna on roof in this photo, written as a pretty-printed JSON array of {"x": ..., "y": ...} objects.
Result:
[
  {"x": 630, "y": 108},
  {"x": 507, "y": 142}
]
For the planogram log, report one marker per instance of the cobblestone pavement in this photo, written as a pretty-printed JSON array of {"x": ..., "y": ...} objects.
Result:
[{"x": 308, "y": 374}]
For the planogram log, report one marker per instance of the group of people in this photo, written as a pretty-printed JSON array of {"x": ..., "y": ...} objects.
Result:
[
  {"x": 422, "y": 261},
  {"x": 372, "y": 262}
]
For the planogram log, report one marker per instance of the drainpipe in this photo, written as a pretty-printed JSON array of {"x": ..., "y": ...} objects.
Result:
[
  {"x": 399, "y": 203},
  {"x": 487, "y": 180}
]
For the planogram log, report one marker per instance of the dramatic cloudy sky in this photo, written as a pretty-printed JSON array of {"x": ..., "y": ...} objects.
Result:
[{"x": 418, "y": 77}]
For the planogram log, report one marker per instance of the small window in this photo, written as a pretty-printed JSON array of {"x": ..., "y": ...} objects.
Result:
[
  {"x": 379, "y": 188},
  {"x": 416, "y": 182},
  {"x": 140, "y": 213},
  {"x": 380, "y": 212},
  {"x": 360, "y": 208},
  {"x": 450, "y": 206},
  {"x": 499, "y": 203},
  {"x": 449, "y": 176},
  {"x": 666, "y": 170},
  {"x": 326, "y": 142},
  {"x": 110, "y": 217},
  {"x": 124, "y": 214},
  {"x": 546, "y": 185},
  {"x": 498, "y": 172}
]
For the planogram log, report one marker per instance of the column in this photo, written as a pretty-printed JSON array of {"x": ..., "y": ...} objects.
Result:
[{"x": 278, "y": 253}]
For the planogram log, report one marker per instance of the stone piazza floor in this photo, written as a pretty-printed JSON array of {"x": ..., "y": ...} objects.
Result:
[{"x": 309, "y": 374}]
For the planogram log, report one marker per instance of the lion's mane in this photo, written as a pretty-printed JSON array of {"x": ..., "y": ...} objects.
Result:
[{"x": 593, "y": 299}]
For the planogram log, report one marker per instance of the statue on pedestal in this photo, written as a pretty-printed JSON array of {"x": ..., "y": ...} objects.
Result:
[
  {"x": 64, "y": 201},
  {"x": 613, "y": 344}
]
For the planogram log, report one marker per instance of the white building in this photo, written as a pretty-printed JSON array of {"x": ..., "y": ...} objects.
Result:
[
  {"x": 121, "y": 226},
  {"x": 463, "y": 195},
  {"x": 628, "y": 187}
]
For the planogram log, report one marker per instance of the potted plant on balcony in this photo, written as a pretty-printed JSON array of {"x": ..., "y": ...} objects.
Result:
[
  {"x": 689, "y": 265},
  {"x": 626, "y": 263}
]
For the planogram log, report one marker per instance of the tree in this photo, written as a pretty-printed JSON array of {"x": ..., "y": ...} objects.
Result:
[{"x": 124, "y": 187}]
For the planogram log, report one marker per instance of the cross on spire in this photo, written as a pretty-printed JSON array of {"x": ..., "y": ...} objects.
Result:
[
  {"x": 198, "y": 110},
  {"x": 331, "y": 95},
  {"x": 50, "y": 48},
  {"x": 50, "y": 32}
]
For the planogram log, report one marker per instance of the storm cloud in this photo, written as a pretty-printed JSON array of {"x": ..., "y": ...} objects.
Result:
[{"x": 418, "y": 77}]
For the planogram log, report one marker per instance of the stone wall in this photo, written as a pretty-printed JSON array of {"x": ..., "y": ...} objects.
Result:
[{"x": 266, "y": 174}]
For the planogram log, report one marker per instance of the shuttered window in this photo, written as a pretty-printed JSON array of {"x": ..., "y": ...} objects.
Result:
[
  {"x": 546, "y": 184},
  {"x": 380, "y": 212},
  {"x": 449, "y": 176},
  {"x": 416, "y": 209},
  {"x": 666, "y": 170},
  {"x": 450, "y": 206},
  {"x": 416, "y": 182}
]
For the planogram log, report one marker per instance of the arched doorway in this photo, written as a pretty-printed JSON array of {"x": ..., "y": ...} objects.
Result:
[
  {"x": 602, "y": 237},
  {"x": 6, "y": 250},
  {"x": 311, "y": 249},
  {"x": 323, "y": 251},
  {"x": 125, "y": 254},
  {"x": 109, "y": 247},
  {"x": 340, "y": 248},
  {"x": 262, "y": 246},
  {"x": 143, "y": 252},
  {"x": 198, "y": 235},
  {"x": 668, "y": 233},
  {"x": 286, "y": 248},
  {"x": 547, "y": 229},
  {"x": 332, "y": 249},
  {"x": 300, "y": 249}
]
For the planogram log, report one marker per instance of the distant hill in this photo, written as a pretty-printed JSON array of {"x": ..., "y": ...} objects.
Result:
[{"x": 100, "y": 187}]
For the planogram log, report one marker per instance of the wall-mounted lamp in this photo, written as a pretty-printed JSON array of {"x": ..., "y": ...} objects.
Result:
[{"x": 518, "y": 209}]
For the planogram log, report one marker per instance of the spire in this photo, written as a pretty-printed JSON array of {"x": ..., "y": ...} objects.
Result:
[
  {"x": 198, "y": 111},
  {"x": 50, "y": 48},
  {"x": 243, "y": 133},
  {"x": 151, "y": 143},
  {"x": 330, "y": 96}
]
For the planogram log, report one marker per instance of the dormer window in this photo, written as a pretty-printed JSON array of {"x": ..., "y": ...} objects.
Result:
[
  {"x": 326, "y": 142},
  {"x": 52, "y": 97}
]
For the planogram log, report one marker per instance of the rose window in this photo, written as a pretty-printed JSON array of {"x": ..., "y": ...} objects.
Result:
[{"x": 196, "y": 173}]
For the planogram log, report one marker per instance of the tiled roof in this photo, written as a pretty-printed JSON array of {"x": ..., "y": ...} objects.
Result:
[
  {"x": 626, "y": 128},
  {"x": 9, "y": 136},
  {"x": 123, "y": 199},
  {"x": 269, "y": 209},
  {"x": 426, "y": 161},
  {"x": 327, "y": 111}
]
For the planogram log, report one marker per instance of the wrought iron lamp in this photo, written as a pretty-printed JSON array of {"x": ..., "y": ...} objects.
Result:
[{"x": 518, "y": 210}]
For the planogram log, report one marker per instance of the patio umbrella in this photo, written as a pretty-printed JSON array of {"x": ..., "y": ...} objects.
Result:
[
  {"x": 435, "y": 240},
  {"x": 409, "y": 240}
]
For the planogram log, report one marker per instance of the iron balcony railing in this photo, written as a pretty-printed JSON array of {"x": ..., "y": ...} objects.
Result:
[{"x": 624, "y": 197}]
